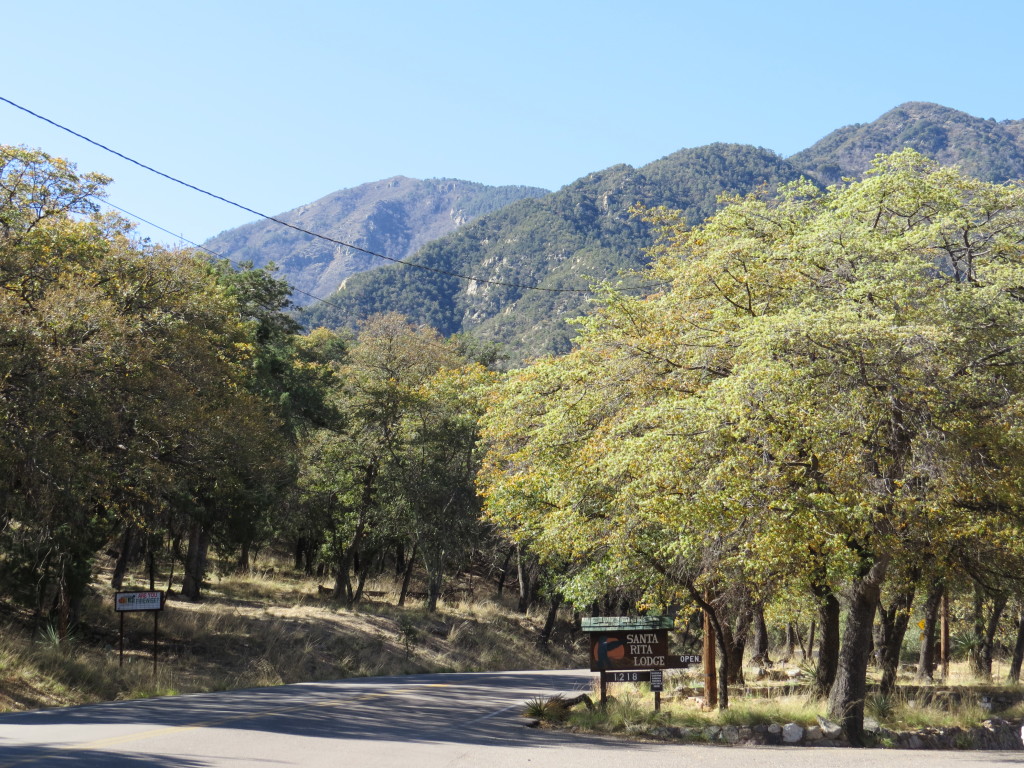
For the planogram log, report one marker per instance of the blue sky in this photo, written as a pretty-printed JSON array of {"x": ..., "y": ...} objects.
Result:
[{"x": 275, "y": 104}]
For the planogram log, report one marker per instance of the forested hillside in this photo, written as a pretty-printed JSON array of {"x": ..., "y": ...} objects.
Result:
[
  {"x": 161, "y": 404},
  {"x": 583, "y": 232},
  {"x": 815, "y": 406},
  {"x": 819, "y": 406},
  {"x": 986, "y": 149},
  {"x": 395, "y": 217}
]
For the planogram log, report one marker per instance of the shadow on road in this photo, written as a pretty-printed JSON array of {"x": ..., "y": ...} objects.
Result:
[
  {"x": 456, "y": 708},
  {"x": 45, "y": 756}
]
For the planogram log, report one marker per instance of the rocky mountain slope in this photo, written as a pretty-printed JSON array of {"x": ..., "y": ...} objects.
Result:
[
  {"x": 396, "y": 217},
  {"x": 564, "y": 240},
  {"x": 583, "y": 232}
]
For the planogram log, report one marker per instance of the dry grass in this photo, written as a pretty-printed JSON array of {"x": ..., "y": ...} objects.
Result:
[
  {"x": 266, "y": 629},
  {"x": 954, "y": 703}
]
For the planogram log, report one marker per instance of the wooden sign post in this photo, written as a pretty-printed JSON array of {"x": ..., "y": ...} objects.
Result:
[
  {"x": 129, "y": 602},
  {"x": 633, "y": 649},
  {"x": 710, "y": 677}
]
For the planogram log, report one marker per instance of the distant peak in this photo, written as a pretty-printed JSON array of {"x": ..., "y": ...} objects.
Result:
[{"x": 927, "y": 109}]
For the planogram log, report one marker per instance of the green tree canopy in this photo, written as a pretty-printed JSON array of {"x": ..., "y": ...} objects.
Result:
[{"x": 831, "y": 381}]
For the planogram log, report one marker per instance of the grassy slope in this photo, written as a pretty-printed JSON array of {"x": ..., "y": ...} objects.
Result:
[{"x": 261, "y": 631}]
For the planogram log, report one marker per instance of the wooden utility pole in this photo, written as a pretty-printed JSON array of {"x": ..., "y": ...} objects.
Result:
[{"x": 710, "y": 678}]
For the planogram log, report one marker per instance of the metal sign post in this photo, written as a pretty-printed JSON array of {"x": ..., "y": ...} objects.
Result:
[{"x": 130, "y": 602}]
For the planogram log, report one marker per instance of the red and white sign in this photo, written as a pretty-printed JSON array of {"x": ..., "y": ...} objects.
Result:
[{"x": 139, "y": 601}]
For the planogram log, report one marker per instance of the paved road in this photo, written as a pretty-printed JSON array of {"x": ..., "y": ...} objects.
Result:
[{"x": 419, "y": 721}]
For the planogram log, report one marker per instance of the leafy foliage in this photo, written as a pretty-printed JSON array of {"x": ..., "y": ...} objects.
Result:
[
  {"x": 123, "y": 373},
  {"x": 829, "y": 383},
  {"x": 582, "y": 233}
]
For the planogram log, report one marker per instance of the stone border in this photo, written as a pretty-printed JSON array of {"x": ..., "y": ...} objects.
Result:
[{"x": 992, "y": 734}]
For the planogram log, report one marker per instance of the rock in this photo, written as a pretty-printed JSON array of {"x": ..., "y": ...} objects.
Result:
[
  {"x": 871, "y": 725},
  {"x": 829, "y": 729},
  {"x": 746, "y": 732},
  {"x": 774, "y": 734},
  {"x": 713, "y": 732},
  {"x": 793, "y": 674},
  {"x": 661, "y": 732},
  {"x": 792, "y": 733},
  {"x": 730, "y": 734},
  {"x": 911, "y": 741},
  {"x": 813, "y": 733}
]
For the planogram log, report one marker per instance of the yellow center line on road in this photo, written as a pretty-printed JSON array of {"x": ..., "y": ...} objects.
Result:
[{"x": 142, "y": 735}]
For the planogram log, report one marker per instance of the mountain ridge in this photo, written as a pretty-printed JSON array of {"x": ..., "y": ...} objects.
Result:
[
  {"x": 983, "y": 147},
  {"x": 394, "y": 216},
  {"x": 584, "y": 231}
]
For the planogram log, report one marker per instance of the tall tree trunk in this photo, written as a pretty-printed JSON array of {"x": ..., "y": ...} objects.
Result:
[
  {"x": 1018, "y": 650},
  {"x": 342, "y": 584},
  {"x": 799, "y": 641},
  {"x": 244, "y": 557},
  {"x": 737, "y": 639},
  {"x": 828, "y": 650},
  {"x": 549, "y": 622},
  {"x": 846, "y": 699},
  {"x": 399, "y": 558},
  {"x": 195, "y": 562},
  {"x": 891, "y": 629},
  {"x": 311, "y": 558},
  {"x": 360, "y": 583},
  {"x": 759, "y": 642},
  {"x": 504, "y": 570},
  {"x": 407, "y": 576},
  {"x": 999, "y": 605},
  {"x": 434, "y": 581},
  {"x": 926, "y": 659},
  {"x": 129, "y": 544},
  {"x": 526, "y": 585},
  {"x": 719, "y": 631},
  {"x": 985, "y": 632}
]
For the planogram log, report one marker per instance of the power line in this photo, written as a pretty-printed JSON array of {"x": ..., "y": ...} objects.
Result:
[
  {"x": 295, "y": 227},
  {"x": 234, "y": 263},
  {"x": 183, "y": 239}
]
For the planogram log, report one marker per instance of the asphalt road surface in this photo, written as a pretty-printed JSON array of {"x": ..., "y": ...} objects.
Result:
[{"x": 418, "y": 721}]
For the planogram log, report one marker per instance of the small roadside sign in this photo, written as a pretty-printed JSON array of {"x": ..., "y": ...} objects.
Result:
[
  {"x": 656, "y": 681},
  {"x": 131, "y": 602},
  {"x": 139, "y": 601}
]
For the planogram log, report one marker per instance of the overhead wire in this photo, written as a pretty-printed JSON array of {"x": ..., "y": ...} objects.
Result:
[
  {"x": 297, "y": 228},
  {"x": 182, "y": 238},
  {"x": 236, "y": 264}
]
